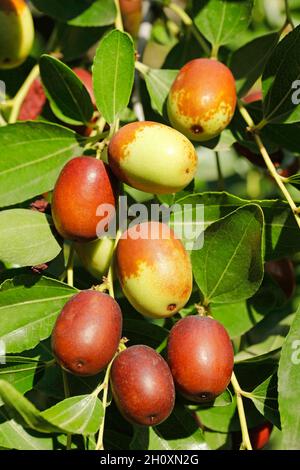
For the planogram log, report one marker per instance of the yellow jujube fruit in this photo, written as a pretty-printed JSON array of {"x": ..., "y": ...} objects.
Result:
[
  {"x": 16, "y": 33},
  {"x": 152, "y": 157}
]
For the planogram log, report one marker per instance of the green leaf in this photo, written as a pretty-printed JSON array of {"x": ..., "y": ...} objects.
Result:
[
  {"x": 229, "y": 267},
  {"x": 178, "y": 432},
  {"x": 21, "y": 376},
  {"x": 221, "y": 20},
  {"x": 142, "y": 331},
  {"x": 248, "y": 62},
  {"x": 289, "y": 387},
  {"x": 281, "y": 230},
  {"x": 14, "y": 436},
  {"x": 26, "y": 238},
  {"x": 218, "y": 440},
  {"x": 32, "y": 155},
  {"x": 29, "y": 306},
  {"x": 74, "y": 41},
  {"x": 266, "y": 337},
  {"x": 69, "y": 99},
  {"x": 282, "y": 70},
  {"x": 265, "y": 398},
  {"x": 284, "y": 135},
  {"x": 77, "y": 415},
  {"x": 113, "y": 74},
  {"x": 22, "y": 411},
  {"x": 159, "y": 82},
  {"x": 240, "y": 317},
  {"x": 79, "y": 12}
]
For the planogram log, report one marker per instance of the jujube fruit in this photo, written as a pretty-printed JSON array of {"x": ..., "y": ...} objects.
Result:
[
  {"x": 260, "y": 435},
  {"x": 83, "y": 185},
  {"x": 152, "y": 157},
  {"x": 96, "y": 255},
  {"x": 16, "y": 33},
  {"x": 202, "y": 99},
  {"x": 154, "y": 270},
  {"x": 132, "y": 15},
  {"x": 86, "y": 77},
  {"x": 142, "y": 386},
  {"x": 200, "y": 356},
  {"x": 283, "y": 273},
  {"x": 34, "y": 102},
  {"x": 87, "y": 333}
]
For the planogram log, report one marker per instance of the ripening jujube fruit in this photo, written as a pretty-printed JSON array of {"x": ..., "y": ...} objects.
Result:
[
  {"x": 202, "y": 99},
  {"x": 260, "y": 435},
  {"x": 152, "y": 157},
  {"x": 200, "y": 356},
  {"x": 142, "y": 386},
  {"x": 96, "y": 255},
  {"x": 132, "y": 15},
  {"x": 16, "y": 33},
  {"x": 154, "y": 269},
  {"x": 87, "y": 333},
  {"x": 83, "y": 185},
  {"x": 283, "y": 273}
]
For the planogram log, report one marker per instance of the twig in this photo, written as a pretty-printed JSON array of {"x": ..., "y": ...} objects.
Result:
[
  {"x": 242, "y": 417},
  {"x": 20, "y": 96}
]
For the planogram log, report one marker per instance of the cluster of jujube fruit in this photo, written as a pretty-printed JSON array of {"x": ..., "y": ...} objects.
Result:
[{"x": 153, "y": 267}]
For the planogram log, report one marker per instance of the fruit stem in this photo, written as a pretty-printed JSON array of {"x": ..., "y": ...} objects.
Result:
[
  {"x": 110, "y": 275},
  {"x": 67, "y": 395},
  {"x": 21, "y": 94},
  {"x": 187, "y": 20},
  {"x": 215, "y": 51},
  {"x": 118, "y": 19},
  {"x": 288, "y": 15},
  {"x": 104, "y": 386},
  {"x": 70, "y": 271},
  {"x": 142, "y": 68},
  {"x": 269, "y": 163},
  {"x": 221, "y": 184},
  {"x": 241, "y": 411}
]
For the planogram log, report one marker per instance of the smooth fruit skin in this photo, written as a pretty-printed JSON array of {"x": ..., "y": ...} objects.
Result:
[
  {"x": 142, "y": 386},
  {"x": 96, "y": 255},
  {"x": 155, "y": 274},
  {"x": 87, "y": 333},
  {"x": 260, "y": 435},
  {"x": 87, "y": 79},
  {"x": 82, "y": 186},
  {"x": 16, "y": 33},
  {"x": 202, "y": 99},
  {"x": 200, "y": 356},
  {"x": 152, "y": 157},
  {"x": 283, "y": 273},
  {"x": 132, "y": 15}
]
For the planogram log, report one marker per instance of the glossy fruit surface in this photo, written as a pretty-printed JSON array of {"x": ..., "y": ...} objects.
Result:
[
  {"x": 87, "y": 333},
  {"x": 96, "y": 255},
  {"x": 260, "y": 435},
  {"x": 86, "y": 78},
  {"x": 83, "y": 185},
  {"x": 283, "y": 273},
  {"x": 202, "y": 99},
  {"x": 154, "y": 270},
  {"x": 200, "y": 356},
  {"x": 142, "y": 386},
  {"x": 16, "y": 33},
  {"x": 152, "y": 157},
  {"x": 132, "y": 15}
]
